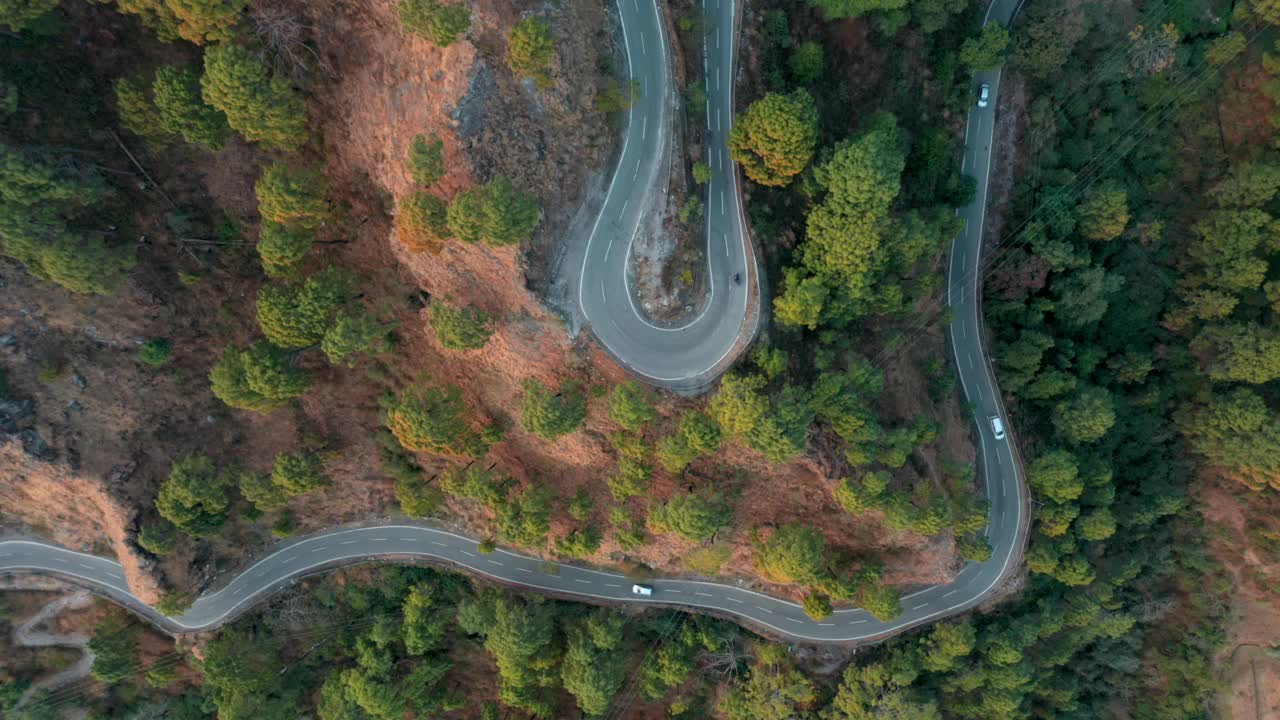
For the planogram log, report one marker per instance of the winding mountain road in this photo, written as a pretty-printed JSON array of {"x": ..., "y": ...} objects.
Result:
[
  {"x": 689, "y": 354},
  {"x": 661, "y": 354}
]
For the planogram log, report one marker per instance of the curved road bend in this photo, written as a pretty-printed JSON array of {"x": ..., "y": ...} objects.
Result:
[
  {"x": 1003, "y": 481},
  {"x": 687, "y": 355}
]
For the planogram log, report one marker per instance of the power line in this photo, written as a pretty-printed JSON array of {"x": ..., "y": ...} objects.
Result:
[
  {"x": 625, "y": 698},
  {"x": 1056, "y": 207}
]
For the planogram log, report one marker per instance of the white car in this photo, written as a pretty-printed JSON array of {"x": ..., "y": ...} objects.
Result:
[
  {"x": 997, "y": 427},
  {"x": 984, "y": 95},
  {"x": 642, "y": 590}
]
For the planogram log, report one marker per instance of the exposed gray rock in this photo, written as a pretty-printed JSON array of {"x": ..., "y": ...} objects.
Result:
[
  {"x": 34, "y": 445},
  {"x": 16, "y": 415}
]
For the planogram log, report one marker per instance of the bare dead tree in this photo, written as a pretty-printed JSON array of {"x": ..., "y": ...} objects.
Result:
[
  {"x": 283, "y": 38},
  {"x": 726, "y": 659},
  {"x": 297, "y": 611}
]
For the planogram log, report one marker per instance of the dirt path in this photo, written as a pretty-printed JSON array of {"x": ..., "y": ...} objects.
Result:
[{"x": 32, "y": 633}]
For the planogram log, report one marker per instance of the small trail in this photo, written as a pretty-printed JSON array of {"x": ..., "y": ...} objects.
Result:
[{"x": 31, "y": 633}]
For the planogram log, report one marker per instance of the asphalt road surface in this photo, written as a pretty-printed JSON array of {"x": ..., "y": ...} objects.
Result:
[
  {"x": 1002, "y": 473},
  {"x": 690, "y": 353}
]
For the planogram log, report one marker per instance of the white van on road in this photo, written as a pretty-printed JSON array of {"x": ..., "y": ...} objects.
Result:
[
  {"x": 997, "y": 427},
  {"x": 642, "y": 590}
]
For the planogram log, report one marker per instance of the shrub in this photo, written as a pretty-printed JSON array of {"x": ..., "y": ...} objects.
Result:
[
  {"x": 807, "y": 62},
  {"x": 692, "y": 516},
  {"x": 529, "y": 50},
  {"x": 353, "y": 334},
  {"x": 550, "y": 416},
  {"x": 194, "y": 497},
  {"x": 115, "y": 650},
  {"x": 298, "y": 315},
  {"x": 628, "y": 532},
  {"x": 495, "y": 213},
  {"x": 525, "y": 518},
  {"x": 159, "y": 538},
  {"x": 974, "y": 548},
  {"x": 433, "y": 420},
  {"x": 175, "y": 603},
  {"x": 580, "y": 543},
  {"x": 285, "y": 526},
  {"x": 423, "y": 222},
  {"x": 182, "y": 109},
  {"x": 298, "y": 474},
  {"x": 416, "y": 496},
  {"x": 282, "y": 247},
  {"x": 440, "y": 23},
  {"x": 262, "y": 492},
  {"x": 816, "y": 606},
  {"x": 155, "y": 352},
  {"x": 472, "y": 482},
  {"x": 632, "y": 479},
  {"x": 883, "y": 602},
  {"x": 292, "y": 196},
  {"x": 460, "y": 328},
  {"x": 426, "y": 160},
  {"x": 261, "y": 378},
  {"x": 261, "y": 105},
  {"x": 581, "y": 506},
  {"x": 701, "y": 173},
  {"x": 138, "y": 113},
  {"x": 792, "y": 554},
  {"x": 697, "y": 434},
  {"x": 631, "y": 406}
]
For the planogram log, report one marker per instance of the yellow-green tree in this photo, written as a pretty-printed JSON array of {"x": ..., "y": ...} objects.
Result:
[
  {"x": 292, "y": 196},
  {"x": 423, "y": 222},
  {"x": 430, "y": 419},
  {"x": 261, "y": 105},
  {"x": 775, "y": 138},
  {"x": 261, "y": 378},
  {"x": 792, "y": 554},
  {"x": 494, "y": 213},
  {"x": 530, "y": 50}
]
